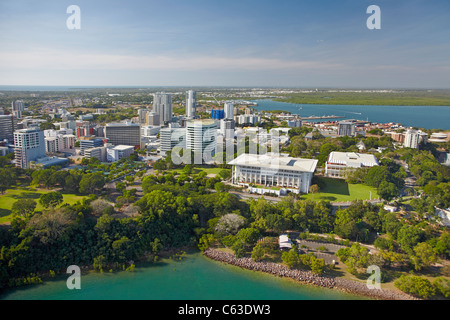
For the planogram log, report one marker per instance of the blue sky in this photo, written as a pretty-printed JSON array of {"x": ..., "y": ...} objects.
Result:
[{"x": 295, "y": 43}]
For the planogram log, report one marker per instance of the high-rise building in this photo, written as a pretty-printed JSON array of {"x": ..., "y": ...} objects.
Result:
[
  {"x": 162, "y": 105},
  {"x": 7, "y": 126},
  {"x": 142, "y": 116},
  {"x": 228, "y": 109},
  {"x": 17, "y": 108},
  {"x": 191, "y": 104},
  {"x": 346, "y": 128},
  {"x": 217, "y": 114},
  {"x": 201, "y": 138},
  {"x": 171, "y": 137},
  {"x": 125, "y": 133},
  {"x": 411, "y": 139},
  {"x": 153, "y": 119},
  {"x": 29, "y": 145}
]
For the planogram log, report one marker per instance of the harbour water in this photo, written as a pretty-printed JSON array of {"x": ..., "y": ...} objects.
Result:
[
  {"x": 193, "y": 278},
  {"x": 428, "y": 117}
]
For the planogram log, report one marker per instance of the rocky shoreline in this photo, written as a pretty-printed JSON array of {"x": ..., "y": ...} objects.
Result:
[{"x": 306, "y": 277}]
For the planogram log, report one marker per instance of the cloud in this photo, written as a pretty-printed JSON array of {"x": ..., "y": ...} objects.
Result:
[{"x": 51, "y": 60}]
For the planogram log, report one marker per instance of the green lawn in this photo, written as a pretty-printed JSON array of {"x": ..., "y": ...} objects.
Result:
[
  {"x": 12, "y": 195},
  {"x": 338, "y": 190}
]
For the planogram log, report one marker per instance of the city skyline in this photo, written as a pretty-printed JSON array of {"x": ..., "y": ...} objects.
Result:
[{"x": 211, "y": 43}]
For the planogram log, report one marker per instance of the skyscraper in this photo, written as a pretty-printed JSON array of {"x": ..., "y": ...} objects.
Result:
[
  {"x": 191, "y": 103},
  {"x": 346, "y": 128},
  {"x": 17, "y": 108},
  {"x": 162, "y": 105},
  {"x": 29, "y": 145},
  {"x": 201, "y": 137},
  {"x": 228, "y": 108}
]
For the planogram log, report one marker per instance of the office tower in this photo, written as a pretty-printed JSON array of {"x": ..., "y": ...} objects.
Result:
[
  {"x": 89, "y": 142},
  {"x": 7, "y": 126},
  {"x": 411, "y": 139},
  {"x": 17, "y": 108},
  {"x": 153, "y": 119},
  {"x": 346, "y": 128},
  {"x": 171, "y": 137},
  {"x": 125, "y": 133},
  {"x": 201, "y": 138},
  {"x": 29, "y": 145},
  {"x": 191, "y": 103},
  {"x": 217, "y": 114},
  {"x": 228, "y": 109},
  {"x": 162, "y": 105}
]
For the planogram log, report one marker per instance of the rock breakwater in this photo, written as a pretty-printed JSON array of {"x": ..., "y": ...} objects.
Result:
[{"x": 306, "y": 277}]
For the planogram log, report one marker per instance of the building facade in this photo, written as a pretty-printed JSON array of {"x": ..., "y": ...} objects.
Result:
[
  {"x": 270, "y": 170},
  {"x": 29, "y": 145},
  {"x": 162, "y": 105},
  {"x": 126, "y": 133},
  {"x": 339, "y": 163},
  {"x": 201, "y": 138},
  {"x": 191, "y": 104}
]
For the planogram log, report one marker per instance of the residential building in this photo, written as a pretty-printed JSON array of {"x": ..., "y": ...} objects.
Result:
[
  {"x": 17, "y": 108},
  {"x": 411, "y": 139},
  {"x": 153, "y": 119},
  {"x": 272, "y": 170},
  {"x": 191, "y": 104},
  {"x": 346, "y": 128},
  {"x": 228, "y": 110},
  {"x": 201, "y": 138},
  {"x": 7, "y": 127},
  {"x": 29, "y": 145},
  {"x": 162, "y": 105},
  {"x": 338, "y": 163}
]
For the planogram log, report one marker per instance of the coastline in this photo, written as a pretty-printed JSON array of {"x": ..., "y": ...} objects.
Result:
[{"x": 307, "y": 277}]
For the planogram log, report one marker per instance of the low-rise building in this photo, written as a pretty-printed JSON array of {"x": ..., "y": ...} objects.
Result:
[
  {"x": 339, "y": 162},
  {"x": 294, "y": 174}
]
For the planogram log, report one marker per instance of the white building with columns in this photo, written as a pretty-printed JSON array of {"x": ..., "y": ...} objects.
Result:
[{"x": 274, "y": 170}]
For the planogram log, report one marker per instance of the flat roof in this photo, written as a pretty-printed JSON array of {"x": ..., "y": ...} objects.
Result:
[
  {"x": 353, "y": 159},
  {"x": 275, "y": 161}
]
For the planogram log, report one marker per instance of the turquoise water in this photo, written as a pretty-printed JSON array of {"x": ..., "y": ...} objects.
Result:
[
  {"x": 428, "y": 117},
  {"x": 193, "y": 278}
]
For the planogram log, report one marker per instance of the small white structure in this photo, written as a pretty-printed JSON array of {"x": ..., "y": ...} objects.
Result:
[{"x": 285, "y": 242}]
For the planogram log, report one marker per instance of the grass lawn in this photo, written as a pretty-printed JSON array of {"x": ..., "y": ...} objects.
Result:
[
  {"x": 12, "y": 195},
  {"x": 338, "y": 190}
]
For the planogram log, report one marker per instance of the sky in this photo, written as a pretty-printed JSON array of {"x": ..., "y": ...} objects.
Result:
[{"x": 283, "y": 43}]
